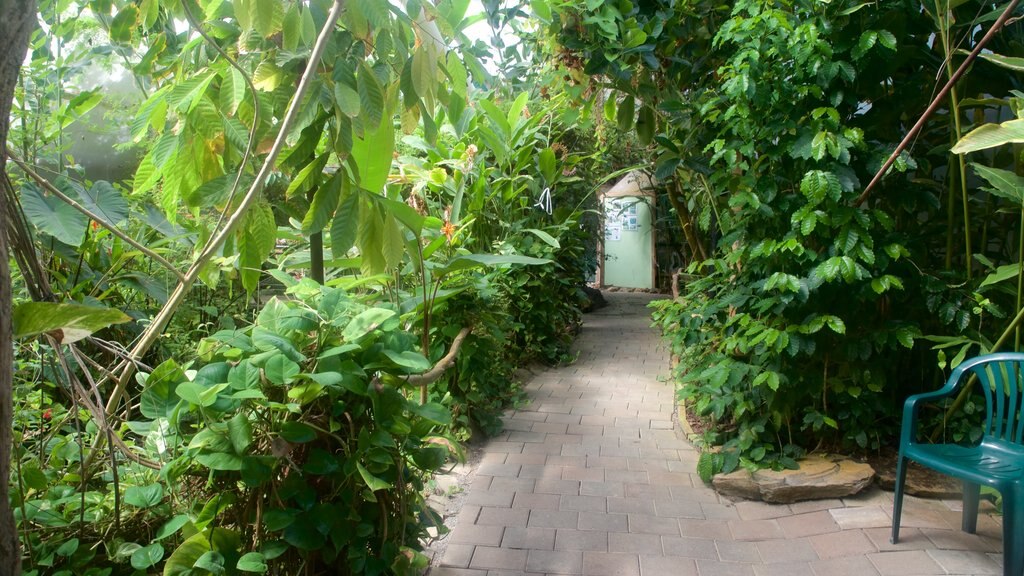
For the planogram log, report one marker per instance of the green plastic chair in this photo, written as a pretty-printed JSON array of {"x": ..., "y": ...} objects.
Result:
[{"x": 998, "y": 461}]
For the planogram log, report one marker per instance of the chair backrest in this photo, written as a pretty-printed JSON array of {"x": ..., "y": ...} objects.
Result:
[{"x": 1000, "y": 378}]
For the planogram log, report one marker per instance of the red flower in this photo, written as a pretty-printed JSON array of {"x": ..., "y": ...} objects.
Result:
[{"x": 47, "y": 414}]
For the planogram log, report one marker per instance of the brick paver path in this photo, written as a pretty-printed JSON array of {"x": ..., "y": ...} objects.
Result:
[{"x": 590, "y": 478}]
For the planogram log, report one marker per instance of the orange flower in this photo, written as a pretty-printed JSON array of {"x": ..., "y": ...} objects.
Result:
[{"x": 448, "y": 230}]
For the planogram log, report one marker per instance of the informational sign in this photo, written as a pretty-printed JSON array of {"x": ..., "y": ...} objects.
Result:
[{"x": 613, "y": 232}]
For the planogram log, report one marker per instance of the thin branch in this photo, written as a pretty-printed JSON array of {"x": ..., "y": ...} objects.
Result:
[
  {"x": 937, "y": 101},
  {"x": 424, "y": 379},
  {"x": 95, "y": 217}
]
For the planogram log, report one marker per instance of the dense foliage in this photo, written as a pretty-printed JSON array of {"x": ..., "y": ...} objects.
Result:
[
  {"x": 309, "y": 268},
  {"x": 806, "y": 324}
]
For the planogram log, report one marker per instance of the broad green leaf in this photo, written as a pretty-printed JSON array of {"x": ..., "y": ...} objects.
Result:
[
  {"x": 51, "y": 215},
  {"x": 346, "y": 223},
  {"x": 105, "y": 201},
  {"x": 625, "y": 114},
  {"x": 371, "y": 96},
  {"x": 122, "y": 27},
  {"x": 266, "y": 340},
  {"x": 373, "y": 152},
  {"x": 1011, "y": 62},
  {"x": 1005, "y": 184},
  {"x": 466, "y": 261},
  {"x": 280, "y": 370},
  {"x": 66, "y": 322},
  {"x": 547, "y": 164},
  {"x": 393, "y": 242},
  {"x": 252, "y": 562},
  {"x": 1001, "y": 274},
  {"x": 366, "y": 322},
  {"x": 372, "y": 482},
  {"x": 182, "y": 560},
  {"x": 267, "y": 76},
  {"x": 309, "y": 177},
  {"x": 646, "y": 125},
  {"x": 240, "y": 432},
  {"x": 158, "y": 396},
  {"x": 267, "y": 16},
  {"x": 144, "y": 496},
  {"x": 147, "y": 556},
  {"x": 991, "y": 135},
  {"x": 457, "y": 75},
  {"x": 347, "y": 99},
  {"x": 256, "y": 238},
  {"x": 414, "y": 361},
  {"x": 211, "y": 562},
  {"x": 424, "y": 73},
  {"x": 325, "y": 202},
  {"x": 171, "y": 527},
  {"x": 297, "y": 432},
  {"x": 220, "y": 461},
  {"x": 547, "y": 238},
  {"x": 515, "y": 112},
  {"x": 433, "y": 412}
]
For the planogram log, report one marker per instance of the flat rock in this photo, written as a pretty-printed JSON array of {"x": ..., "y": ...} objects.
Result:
[{"x": 817, "y": 478}]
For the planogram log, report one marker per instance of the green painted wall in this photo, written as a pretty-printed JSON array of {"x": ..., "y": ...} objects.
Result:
[{"x": 628, "y": 247}]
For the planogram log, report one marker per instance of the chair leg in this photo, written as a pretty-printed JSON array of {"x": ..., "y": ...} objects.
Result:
[
  {"x": 972, "y": 494},
  {"x": 1013, "y": 550},
  {"x": 897, "y": 499}
]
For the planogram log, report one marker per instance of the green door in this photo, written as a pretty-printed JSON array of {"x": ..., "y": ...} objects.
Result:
[{"x": 628, "y": 244}]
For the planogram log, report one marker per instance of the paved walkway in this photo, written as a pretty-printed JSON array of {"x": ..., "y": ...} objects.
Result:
[{"x": 590, "y": 478}]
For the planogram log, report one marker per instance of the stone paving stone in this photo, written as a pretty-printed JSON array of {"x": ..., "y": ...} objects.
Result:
[
  {"x": 520, "y": 538},
  {"x": 583, "y": 473},
  {"x": 555, "y": 561},
  {"x": 905, "y": 563},
  {"x": 572, "y": 539},
  {"x": 784, "y": 569},
  {"x": 698, "y": 492},
  {"x": 608, "y": 564},
  {"x": 649, "y": 491},
  {"x": 861, "y": 517},
  {"x": 508, "y": 447},
  {"x": 910, "y": 539},
  {"x": 540, "y": 471},
  {"x": 503, "y": 517},
  {"x": 558, "y": 460},
  {"x": 753, "y": 530},
  {"x": 445, "y": 571},
  {"x": 786, "y": 551},
  {"x": 501, "y": 498},
  {"x": 815, "y": 505},
  {"x": 583, "y": 503},
  {"x": 729, "y": 551},
  {"x": 519, "y": 485},
  {"x": 458, "y": 555},
  {"x": 603, "y": 522},
  {"x": 489, "y": 557},
  {"x": 849, "y": 566},
  {"x": 641, "y": 464},
  {"x": 632, "y": 506},
  {"x": 531, "y": 459},
  {"x": 614, "y": 463},
  {"x": 965, "y": 562},
  {"x": 716, "y": 529},
  {"x": 959, "y": 540},
  {"x": 752, "y": 510},
  {"x": 809, "y": 524},
  {"x": 546, "y": 486},
  {"x": 634, "y": 543},
  {"x": 849, "y": 543},
  {"x": 649, "y": 524},
  {"x": 537, "y": 501},
  {"x": 716, "y": 568},
  {"x": 715, "y": 511},
  {"x": 553, "y": 518},
  {"x": 602, "y": 489},
  {"x": 925, "y": 518},
  {"x": 628, "y": 476},
  {"x": 482, "y": 535},
  {"x": 697, "y": 548},
  {"x": 678, "y": 509},
  {"x": 654, "y": 565}
]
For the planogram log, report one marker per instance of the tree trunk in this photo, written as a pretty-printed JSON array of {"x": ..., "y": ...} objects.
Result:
[{"x": 17, "y": 18}]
